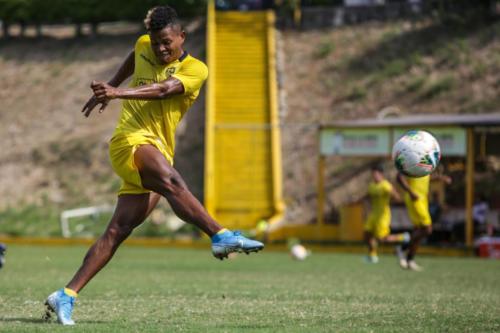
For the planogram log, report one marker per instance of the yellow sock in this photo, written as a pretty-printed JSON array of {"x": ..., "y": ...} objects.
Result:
[
  {"x": 70, "y": 292},
  {"x": 373, "y": 253},
  {"x": 223, "y": 230},
  {"x": 404, "y": 237}
]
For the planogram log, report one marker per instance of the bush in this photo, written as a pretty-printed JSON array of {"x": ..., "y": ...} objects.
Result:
[
  {"x": 88, "y": 11},
  {"x": 324, "y": 49},
  {"x": 416, "y": 84},
  {"x": 395, "y": 68},
  {"x": 357, "y": 93}
]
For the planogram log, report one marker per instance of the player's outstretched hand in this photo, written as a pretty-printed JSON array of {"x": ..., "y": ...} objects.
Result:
[
  {"x": 447, "y": 180},
  {"x": 92, "y": 103},
  {"x": 103, "y": 91}
]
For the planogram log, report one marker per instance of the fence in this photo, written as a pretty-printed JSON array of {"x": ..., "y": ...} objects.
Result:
[{"x": 320, "y": 17}]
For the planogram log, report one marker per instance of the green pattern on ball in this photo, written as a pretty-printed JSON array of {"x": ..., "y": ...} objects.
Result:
[
  {"x": 427, "y": 160},
  {"x": 399, "y": 162}
]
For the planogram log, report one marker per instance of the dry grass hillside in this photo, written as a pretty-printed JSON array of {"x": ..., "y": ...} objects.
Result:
[{"x": 54, "y": 158}]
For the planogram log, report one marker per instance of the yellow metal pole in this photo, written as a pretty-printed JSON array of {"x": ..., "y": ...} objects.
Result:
[
  {"x": 297, "y": 14},
  {"x": 279, "y": 206},
  {"x": 321, "y": 190},
  {"x": 469, "y": 188},
  {"x": 209, "y": 183}
]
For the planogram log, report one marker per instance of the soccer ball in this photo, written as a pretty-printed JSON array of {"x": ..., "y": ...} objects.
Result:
[
  {"x": 299, "y": 252},
  {"x": 416, "y": 154}
]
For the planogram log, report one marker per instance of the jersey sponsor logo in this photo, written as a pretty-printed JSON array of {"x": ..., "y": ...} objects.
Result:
[{"x": 170, "y": 71}]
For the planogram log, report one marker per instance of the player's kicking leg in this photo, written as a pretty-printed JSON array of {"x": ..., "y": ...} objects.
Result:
[
  {"x": 131, "y": 211},
  {"x": 417, "y": 236},
  {"x": 159, "y": 176},
  {"x": 403, "y": 240},
  {"x": 401, "y": 254},
  {"x": 382, "y": 236},
  {"x": 372, "y": 243}
]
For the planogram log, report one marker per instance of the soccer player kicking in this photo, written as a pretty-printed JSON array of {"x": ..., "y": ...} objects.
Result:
[
  {"x": 377, "y": 227},
  {"x": 417, "y": 204},
  {"x": 166, "y": 80}
]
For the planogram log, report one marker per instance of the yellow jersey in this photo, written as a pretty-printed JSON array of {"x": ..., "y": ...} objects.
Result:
[
  {"x": 420, "y": 186},
  {"x": 159, "y": 118},
  {"x": 379, "y": 219},
  {"x": 418, "y": 210},
  {"x": 152, "y": 121},
  {"x": 380, "y": 198}
]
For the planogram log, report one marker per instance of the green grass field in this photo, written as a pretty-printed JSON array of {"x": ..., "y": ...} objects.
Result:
[{"x": 179, "y": 290}]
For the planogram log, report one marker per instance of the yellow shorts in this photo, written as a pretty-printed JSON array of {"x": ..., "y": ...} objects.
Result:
[
  {"x": 378, "y": 226},
  {"x": 121, "y": 153},
  {"x": 418, "y": 212}
]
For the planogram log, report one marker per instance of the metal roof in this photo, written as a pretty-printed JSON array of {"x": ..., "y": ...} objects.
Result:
[{"x": 466, "y": 120}]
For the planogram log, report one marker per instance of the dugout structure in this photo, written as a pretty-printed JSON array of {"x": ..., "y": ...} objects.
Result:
[{"x": 466, "y": 136}]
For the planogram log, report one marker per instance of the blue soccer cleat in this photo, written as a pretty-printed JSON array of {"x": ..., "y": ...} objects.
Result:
[
  {"x": 228, "y": 242},
  {"x": 60, "y": 304}
]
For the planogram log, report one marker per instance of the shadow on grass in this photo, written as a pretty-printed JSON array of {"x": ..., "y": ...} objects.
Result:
[
  {"x": 23, "y": 320},
  {"x": 245, "y": 326},
  {"x": 42, "y": 321}
]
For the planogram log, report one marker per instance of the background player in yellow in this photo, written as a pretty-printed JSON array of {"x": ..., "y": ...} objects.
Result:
[
  {"x": 377, "y": 227},
  {"x": 165, "y": 82},
  {"x": 416, "y": 199}
]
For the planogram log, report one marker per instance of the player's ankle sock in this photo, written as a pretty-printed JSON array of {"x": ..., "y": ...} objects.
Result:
[
  {"x": 410, "y": 256},
  {"x": 70, "y": 292},
  {"x": 404, "y": 237},
  {"x": 373, "y": 253},
  {"x": 221, "y": 231}
]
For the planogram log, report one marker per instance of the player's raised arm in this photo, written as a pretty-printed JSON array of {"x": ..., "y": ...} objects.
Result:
[
  {"x": 444, "y": 178},
  {"x": 161, "y": 90},
  {"x": 124, "y": 72}
]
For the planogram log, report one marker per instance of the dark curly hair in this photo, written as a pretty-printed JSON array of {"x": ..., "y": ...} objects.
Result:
[
  {"x": 160, "y": 17},
  {"x": 377, "y": 166}
]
